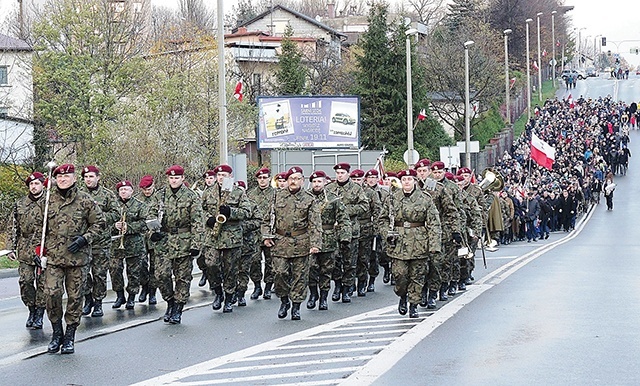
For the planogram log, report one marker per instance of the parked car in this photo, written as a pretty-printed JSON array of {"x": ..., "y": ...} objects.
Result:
[
  {"x": 579, "y": 74},
  {"x": 345, "y": 119},
  {"x": 592, "y": 72}
]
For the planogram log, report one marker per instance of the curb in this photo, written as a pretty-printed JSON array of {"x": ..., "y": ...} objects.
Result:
[{"x": 8, "y": 272}]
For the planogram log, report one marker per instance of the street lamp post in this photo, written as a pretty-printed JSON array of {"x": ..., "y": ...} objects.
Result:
[
  {"x": 410, "y": 160},
  {"x": 467, "y": 112},
  {"x": 528, "y": 73},
  {"x": 553, "y": 41},
  {"x": 222, "y": 100},
  {"x": 506, "y": 74},
  {"x": 539, "y": 61}
]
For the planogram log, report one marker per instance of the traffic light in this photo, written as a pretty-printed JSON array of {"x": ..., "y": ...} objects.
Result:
[{"x": 604, "y": 41}]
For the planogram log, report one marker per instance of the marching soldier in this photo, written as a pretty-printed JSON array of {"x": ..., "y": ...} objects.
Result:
[
  {"x": 129, "y": 246},
  {"x": 293, "y": 231},
  {"x": 250, "y": 248},
  {"x": 371, "y": 178},
  {"x": 224, "y": 209},
  {"x": 96, "y": 286},
  {"x": 473, "y": 190},
  {"x": 388, "y": 181},
  {"x": 262, "y": 196},
  {"x": 410, "y": 220},
  {"x": 26, "y": 232},
  {"x": 149, "y": 196},
  {"x": 209, "y": 180},
  {"x": 423, "y": 171},
  {"x": 336, "y": 228},
  {"x": 178, "y": 242},
  {"x": 356, "y": 203},
  {"x": 281, "y": 180},
  {"x": 474, "y": 224},
  {"x": 74, "y": 220}
]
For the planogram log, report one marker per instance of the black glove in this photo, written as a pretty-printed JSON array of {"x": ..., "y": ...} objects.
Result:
[
  {"x": 37, "y": 261},
  {"x": 156, "y": 236},
  {"x": 391, "y": 240},
  {"x": 211, "y": 221},
  {"x": 345, "y": 245},
  {"x": 76, "y": 244},
  {"x": 225, "y": 210},
  {"x": 194, "y": 252},
  {"x": 457, "y": 237}
]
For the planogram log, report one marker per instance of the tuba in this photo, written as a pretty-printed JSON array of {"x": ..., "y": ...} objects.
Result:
[{"x": 491, "y": 180}]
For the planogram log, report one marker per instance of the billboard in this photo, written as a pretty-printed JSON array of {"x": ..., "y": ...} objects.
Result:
[{"x": 316, "y": 122}]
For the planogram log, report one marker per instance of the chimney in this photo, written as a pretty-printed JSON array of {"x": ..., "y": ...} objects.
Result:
[{"x": 331, "y": 10}]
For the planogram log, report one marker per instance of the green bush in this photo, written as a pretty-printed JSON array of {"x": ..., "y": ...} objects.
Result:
[{"x": 486, "y": 128}]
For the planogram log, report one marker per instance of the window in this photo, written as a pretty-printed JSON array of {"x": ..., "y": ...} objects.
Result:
[{"x": 4, "y": 70}]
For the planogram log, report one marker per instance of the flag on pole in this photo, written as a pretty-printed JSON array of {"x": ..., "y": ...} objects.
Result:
[
  {"x": 544, "y": 53},
  {"x": 512, "y": 81},
  {"x": 238, "y": 91},
  {"x": 380, "y": 168},
  {"x": 535, "y": 65},
  {"x": 423, "y": 115},
  {"x": 541, "y": 152},
  {"x": 570, "y": 100}
]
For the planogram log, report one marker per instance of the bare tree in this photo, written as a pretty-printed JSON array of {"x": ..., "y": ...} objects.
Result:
[{"x": 427, "y": 12}]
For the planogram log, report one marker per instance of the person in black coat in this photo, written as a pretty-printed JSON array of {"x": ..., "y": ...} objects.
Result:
[
  {"x": 531, "y": 215},
  {"x": 566, "y": 209}
]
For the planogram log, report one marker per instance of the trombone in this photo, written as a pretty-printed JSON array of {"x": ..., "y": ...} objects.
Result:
[{"x": 123, "y": 228}]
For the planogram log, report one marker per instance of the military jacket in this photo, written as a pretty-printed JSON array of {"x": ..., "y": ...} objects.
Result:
[
  {"x": 26, "y": 229},
  {"x": 460, "y": 204},
  {"x": 369, "y": 220},
  {"x": 76, "y": 214},
  {"x": 474, "y": 213},
  {"x": 153, "y": 204},
  {"x": 263, "y": 199},
  {"x": 106, "y": 200},
  {"x": 297, "y": 224},
  {"x": 136, "y": 213},
  {"x": 416, "y": 221},
  {"x": 251, "y": 231},
  {"x": 336, "y": 226},
  {"x": 355, "y": 201},
  {"x": 181, "y": 222},
  {"x": 230, "y": 235},
  {"x": 449, "y": 217}
]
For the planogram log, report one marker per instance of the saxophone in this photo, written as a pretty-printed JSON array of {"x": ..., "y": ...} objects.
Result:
[{"x": 225, "y": 191}]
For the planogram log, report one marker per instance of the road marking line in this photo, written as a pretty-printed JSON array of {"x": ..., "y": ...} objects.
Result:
[
  {"x": 288, "y": 364},
  {"x": 380, "y": 326},
  {"x": 308, "y": 353},
  {"x": 272, "y": 376},
  {"x": 345, "y": 342},
  {"x": 363, "y": 334}
]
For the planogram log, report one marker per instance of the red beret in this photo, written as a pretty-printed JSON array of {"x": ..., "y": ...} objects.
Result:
[
  {"x": 371, "y": 173},
  {"x": 175, "y": 170},
  {"x": 281, "y": 176},
  {"x": 64, "y": 169},
  {"x": 223, "y": 168},
  {"x": 408, "y": 172},
  {"x": 425, "y": 162},
  {"x": 342, "y": 165},
  {"x": 357, "y": 173},
  {"x": 449, "y": 176},
  {"x": 209, "y": 173},
  {"x": 124, "y": 183},
  {"x": 464, "y": 170},
  {"x": 146, "y": 181},
  {"x": 459, "y": 178},
  {"x": 293, "y": 170},
  {"x": 390, "y": 174},
  {"x": 90, "y": 169},
  {"x": 438, "y": 165},
  {"x": 34, "y": 176},
  {"x": 241, "y": 184},
  {"x": 317, "y": 174},
  {"x": 263, "y": 171}
]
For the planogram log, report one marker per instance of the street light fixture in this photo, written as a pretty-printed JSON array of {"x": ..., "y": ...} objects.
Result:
[
  {"x": 410, "y": 160},
  {"x": 467, "y": 112},
  {"x": 539, "y": 61},
  {"x": 553, "y": 41},
  {"x": 506, "y": 32},
  {"x": 528, "y": 73}
]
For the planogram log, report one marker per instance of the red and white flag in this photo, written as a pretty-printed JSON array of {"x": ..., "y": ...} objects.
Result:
[
  {"x": 535, "y": 65},
  {"x": 238, "y": 91},
  {"x": 422, "y": 116},
  {"x": 380, "y": 168},
  {"x": 544, "y": 53},
  {"x": 541, "y": 152},
  {"x": 570, "y": 100},
  {"x": 512, "y": 81}
]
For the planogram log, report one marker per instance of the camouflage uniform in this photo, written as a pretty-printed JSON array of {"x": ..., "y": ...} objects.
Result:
[
  {"x": 263, "y": 198},
  {"x": 474, "y": 223},
  {"x": 418, "y": 242},
  {"x": 368, "y": 230},
  {"x": 454, "y": 270},
  {"x": 379, "y": 252},
  {"x": 250, "y": 238},
  {"x": 148, "y": 267},
  {"x": 476, "y": 193}
]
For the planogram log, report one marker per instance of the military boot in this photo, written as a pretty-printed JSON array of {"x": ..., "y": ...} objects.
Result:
[
  {"x": 257, "y": 290},
  {"x": 295, "y": 311},
  {"x": 413, "y": 310},
  {"x": 267, "y": 291},
  {"x": 453, "y": 286},
  {"x": 323, "y": 306},
  {"x": 393, "y": 280},
  {"x": 313, "y": 297},
  {"x": 284, "y": 307},
  {"x": 203, "y": 279},
  {"x": 176, "y": 316},
  {"x": 167, "y": 314},
  {"x": 68, "y": 339},
  {"x": 228, "y": 303},
  {"x": 241, "y": 299},
  {"x": 234, "y": 298},
  {"x": 88, "y": 304},
  {"x": 362, "y": 287},
  {"x": 346, "y": 294},
  {"x": 32, "y": 314},
  {"x": 424, "y": 295},
  {"x": 120, "y": 300},
  {"x": 386, "y": 276},
  {"x": 37, "y": 319},
  {"x": 431, "y": 300},
  {"x": 462, "y": 285},
  {"x": 217, "y": 301},
  {"x": 372, "y": 284},
  {"x": 152, "y": 297},
  {"x": 143, "y": 294},
  {"x": 402, "y": 305},
  {"x": 337, "y": 290},
  {"x": 131, "y": 301},
  {"x": 56, "y": 338},
  {"x": 97, "y": 309},
  {"x": 443, "y": 292}
]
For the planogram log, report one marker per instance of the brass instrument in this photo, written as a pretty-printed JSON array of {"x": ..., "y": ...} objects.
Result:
[
  {"x": 123, "y": 228},
  {"x": 491, "y": 180},
  {"x": 392, "y": 232},
  {"x": 225, "y": 190}
]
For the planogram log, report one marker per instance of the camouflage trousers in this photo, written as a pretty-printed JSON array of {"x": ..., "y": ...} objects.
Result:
[
  {"x": 57, "y": 279},
  {"x": 374, "y": 258},
  {"x": 96, "y": 283},
  {"x": 222, "y": 266},
  {"x": 467, "y": 265},
  {"x": 137, "y": 273},
  {"x": 365, "y": 250},
  {"x": 244, "y": 269},
  {"x": 150, "y": 267},
  {"x": 179, "y": 268},
  {"x": 255, "y": 272},
  {"x": 345, "y": 267},
  {"x": 31, "y": 289},
  {"x": 409, "y": 275},
  {"x": 320, "y": 269},
  {"x": 434, "y": 271},
  {"x": 450, "y": 268},
  {"x": 291, "y": 277}
]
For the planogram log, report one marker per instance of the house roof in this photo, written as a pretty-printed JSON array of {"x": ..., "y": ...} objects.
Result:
[
  {"x": 7, "y": 43},
  {"x": 297, "y": 14}
]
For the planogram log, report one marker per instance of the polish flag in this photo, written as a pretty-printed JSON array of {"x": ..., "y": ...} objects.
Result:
[
  {"x": 380, "y": 168},
  {"x": 512, "y": 81},
  {"x": 541, "y": 152},
  {"x": 535, "y": 65},
  {"x": 422, "y": 116},
  {"x": 238, "y": 91},
  {"x": 544, "y": 53},
  {"x": 570, "y": 100}
]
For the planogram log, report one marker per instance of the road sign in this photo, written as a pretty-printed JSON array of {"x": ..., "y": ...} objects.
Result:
[{"x": 416, "y": 157}]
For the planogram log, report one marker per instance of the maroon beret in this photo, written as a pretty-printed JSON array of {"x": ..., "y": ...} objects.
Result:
[
  {"x": 34, "y": 176},
  {"x": 464, "y": 170},
  {"x": 64, "y": 169},
  {"x": 175, "y": 170},
  {"x": 281, "y": 176},
  {"x": 408, "y": 172},
  {"x": 459, "y": 178},
  {"x": 223, "y": 168},
  {"x": 293, "y": 170},
  {"x": 449, "y": 176},
  {"x": 209, "y": 173},
  {"x": 90, "y": 169},
  {"x": 438, "y": 165},
  {"x": 342, "y": 165},
  {"x": 317, "y": 174},
  {"x": 390, "y": 174},
  {"x": 124, "y": 183},
  {"x": 425, "y": 162},
  {"x": 241, "y": 184},
  {"x": 371, "y": 173},
  {"x": 357, "y": 173},
  {"x": 263, "y": 171},
  {"x": 146, "y": 181}
]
